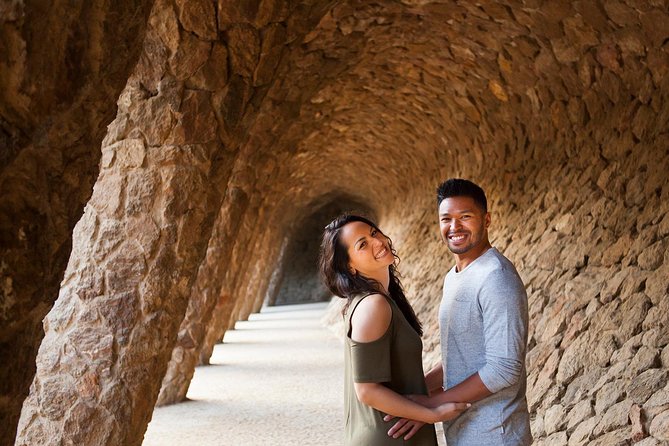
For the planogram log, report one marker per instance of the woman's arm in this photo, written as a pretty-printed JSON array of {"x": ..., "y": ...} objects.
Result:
[
  {"x": 369, "y": 322},
  {"x": 390, "y": 402}
]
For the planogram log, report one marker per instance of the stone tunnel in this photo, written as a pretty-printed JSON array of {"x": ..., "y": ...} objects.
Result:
[{"x": 163, "y": 165}]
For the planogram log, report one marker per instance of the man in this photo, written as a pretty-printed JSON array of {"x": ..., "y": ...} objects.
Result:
[{"x": 483, "y": 323}]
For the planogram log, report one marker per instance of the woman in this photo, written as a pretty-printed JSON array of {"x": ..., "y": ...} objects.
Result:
[{"x": 383, "y": 359}]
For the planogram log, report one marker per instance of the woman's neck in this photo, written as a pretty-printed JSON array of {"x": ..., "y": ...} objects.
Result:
[{"x": 383, "y": 277}]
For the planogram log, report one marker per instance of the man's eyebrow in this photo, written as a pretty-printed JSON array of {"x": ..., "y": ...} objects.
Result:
[{"x": 463, "y": 211}]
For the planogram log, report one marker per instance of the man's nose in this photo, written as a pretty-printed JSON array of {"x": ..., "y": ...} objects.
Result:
[{"x": 455, "y": 224}]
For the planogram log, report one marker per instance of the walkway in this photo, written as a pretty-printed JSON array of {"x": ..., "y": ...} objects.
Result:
[{"x": 276, "y": 380}]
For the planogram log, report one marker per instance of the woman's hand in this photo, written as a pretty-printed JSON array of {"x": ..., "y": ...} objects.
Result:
[
  {"x": 408, "y": 428},
  {"x": 404, "y": 427}
]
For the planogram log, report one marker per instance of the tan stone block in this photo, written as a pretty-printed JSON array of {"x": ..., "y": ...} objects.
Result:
[
  {"x": 655, "y": 337},
  {"x": 632, "y": 313},
  {"x": 653, "y": 256},
  {"x": 243, "y": 49},
  {"x": 614, "y": 417},
  {"x": 213, "y": 75},
  {"x": 191, "y": 55},
  {"x": 555, "y": 419},
  {"x": 582, "y": 432},
  {"x": 199, "y": 17},
  {"x": 582, "y": 386},
  {"x": 645, "y": 384},
  {"x": 659, "y": 427},
  {"x": 657, "y": 284},
  {"x": 644, "y": 359},
  {"x": 579, "y": 413},
  {"x": 609, "y": 394},
  {"x": 663, "y": 227},
  {"x": 619, "y": 437},
  {"x": 129, "y": 153},
  {"x": 556, "y": 439}
]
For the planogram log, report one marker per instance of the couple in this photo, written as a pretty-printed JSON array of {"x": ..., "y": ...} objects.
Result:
[{"x": 479, "y": 388}]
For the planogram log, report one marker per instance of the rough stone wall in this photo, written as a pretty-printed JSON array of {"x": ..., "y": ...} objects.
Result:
[
  {"x": 559, "y": 109},
  {"x": 62, "y": 67}
]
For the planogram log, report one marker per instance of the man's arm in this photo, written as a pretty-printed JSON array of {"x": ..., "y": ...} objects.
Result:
[
  {"x": 470, "y": 390},
  {"x": 434, "y": 379}
]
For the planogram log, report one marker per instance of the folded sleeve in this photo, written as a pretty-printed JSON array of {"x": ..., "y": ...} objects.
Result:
[{"x": 371, "y": 360}]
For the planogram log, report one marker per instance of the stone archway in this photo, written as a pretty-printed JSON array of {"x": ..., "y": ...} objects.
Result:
[
  {"x": 298, "y": 280},
  {"x": 558, "y": 109}
]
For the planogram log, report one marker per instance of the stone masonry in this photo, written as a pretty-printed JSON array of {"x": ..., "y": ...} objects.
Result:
[{"x": 238, "y": 120}]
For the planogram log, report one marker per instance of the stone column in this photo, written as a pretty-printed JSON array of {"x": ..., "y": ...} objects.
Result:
[
  {"x": 204, "y": 297},
  {"x": 228, "y": 299},
  {"x": 62, "y": 67},
  {"x": 110, "y": 334},
  {"x": 276, "y": 278},
  {"x": 136, "y": 250}
]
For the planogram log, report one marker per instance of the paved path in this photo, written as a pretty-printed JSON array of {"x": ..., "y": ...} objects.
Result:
[{"x": 276, "y": 380}]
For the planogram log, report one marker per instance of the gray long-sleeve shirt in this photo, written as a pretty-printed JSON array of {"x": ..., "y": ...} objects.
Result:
[{"x": 483, "y": 323}]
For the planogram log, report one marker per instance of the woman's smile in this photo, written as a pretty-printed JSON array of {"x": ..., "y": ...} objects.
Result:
[{"x": 382, "y": 253}]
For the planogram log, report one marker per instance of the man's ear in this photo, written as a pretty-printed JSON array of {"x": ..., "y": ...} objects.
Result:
[{"x": 487, "y": 220}]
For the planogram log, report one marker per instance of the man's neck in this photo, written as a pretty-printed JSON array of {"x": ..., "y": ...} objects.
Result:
[{"x": 463, "y": 260}]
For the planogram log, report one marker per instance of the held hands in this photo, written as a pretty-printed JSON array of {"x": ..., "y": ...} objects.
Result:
[
  {"x": 443, "y": 412},
  {"x": 448, "y": 411}
]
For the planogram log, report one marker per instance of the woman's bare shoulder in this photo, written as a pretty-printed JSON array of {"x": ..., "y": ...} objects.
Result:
[{"x": 371, "y": 318}]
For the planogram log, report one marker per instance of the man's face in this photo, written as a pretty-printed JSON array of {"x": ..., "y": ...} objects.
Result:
[{"x": 463, "y": 224}]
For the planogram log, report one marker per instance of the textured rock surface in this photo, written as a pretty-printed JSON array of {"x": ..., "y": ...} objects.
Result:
[
  {"x": 60, "y": 76},
  {"x": 558, "y": 109}
]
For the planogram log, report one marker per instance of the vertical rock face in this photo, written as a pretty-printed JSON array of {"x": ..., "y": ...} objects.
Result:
[
  {"x": 241, "y": 119},
  {"x": 60, "y": 75}
]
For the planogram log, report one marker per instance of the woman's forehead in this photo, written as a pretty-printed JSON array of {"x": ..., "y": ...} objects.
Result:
[{"x": 353, "y": 231}]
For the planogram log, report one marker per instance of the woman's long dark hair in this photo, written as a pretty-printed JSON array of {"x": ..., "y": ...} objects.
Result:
[{"x": 334, "y": 268}]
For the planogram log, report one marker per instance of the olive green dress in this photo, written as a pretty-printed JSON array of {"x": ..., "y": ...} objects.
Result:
[{"x": 395, "y": 360}]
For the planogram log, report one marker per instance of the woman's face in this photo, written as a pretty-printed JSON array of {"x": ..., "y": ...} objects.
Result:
[{"x": 368, "y": 249}]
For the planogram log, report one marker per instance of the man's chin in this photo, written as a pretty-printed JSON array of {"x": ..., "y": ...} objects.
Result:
[{"x": 459, "y": 249}]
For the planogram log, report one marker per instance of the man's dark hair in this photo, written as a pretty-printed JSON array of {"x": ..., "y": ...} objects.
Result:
[{"x": 458, "y": 187}]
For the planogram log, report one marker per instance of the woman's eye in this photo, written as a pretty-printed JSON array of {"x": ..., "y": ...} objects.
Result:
[{"x": 363, "y": 244}]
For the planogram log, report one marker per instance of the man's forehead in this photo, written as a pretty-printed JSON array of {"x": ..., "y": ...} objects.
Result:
[{"x": 457, "y": 204}]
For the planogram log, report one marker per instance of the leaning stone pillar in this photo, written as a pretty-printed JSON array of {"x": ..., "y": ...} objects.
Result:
[
  {"x": 204, "y": 297},
  {"x": 228, "y": 297},
  {"x": 57, "y": 95},
  {"x": 276, "y": 279},
  {"x": 135, "y": 255},
  {"x": 110, "y": 334}
]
